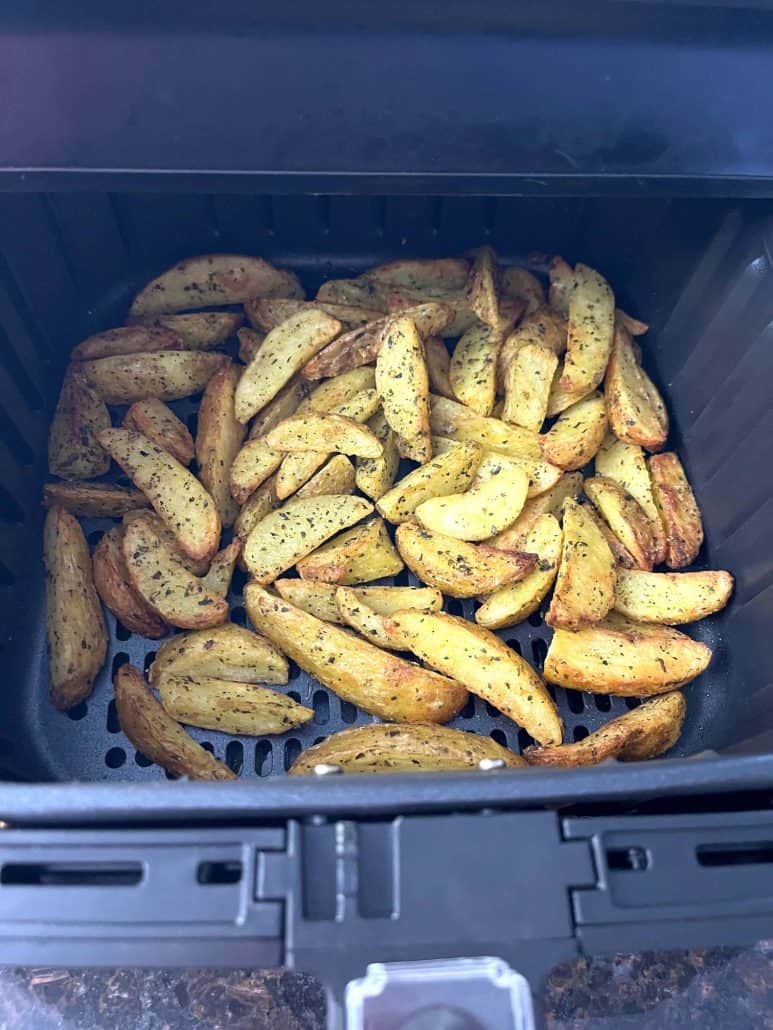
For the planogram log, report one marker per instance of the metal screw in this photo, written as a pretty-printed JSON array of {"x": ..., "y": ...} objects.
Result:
[
  {"x": 327, "y": 769},
  {"x": 486, "y": 764}
]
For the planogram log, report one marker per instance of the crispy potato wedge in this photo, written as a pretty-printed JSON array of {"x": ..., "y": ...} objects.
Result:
[
  {"x": 335, "y": 477},
  {"x": 283, "y": 352},
  {"x": 328, "y": 396},
  {"x": 625, "y": 463},
  {"x": 457, "y": 422},
  {"x": 493, "y": 501},
  {"x": 389, "y": 748},
  {"x": 543, "y": 328},
  {"x": 267, "y": 313},
  {"x": 542, "y": 476},
  {"x": 448, "y": 473},
  {"x": 403, "y": 385},
  {"x": 375, "y": 476},
  {"x": 636, "y": 410},
  {"x": 212, "y": 280},
  {"x": 358, "y": 555},
  {"x": 360, "y": 617},
  {"x": 488, "y": 667},
  {"x": 590, "y": 331},
  {"x": 262, "y": 501},
  {"x": 319, "y": 599},
  {"x": 93, "y": 500},
  {"x": 75, "y": 626},
  {"x": 376, "y": 681},
  {"x": 239, "y": 708},
  {"x": 528, "y": 379},
  {"x": 284, "y": 404},
  {"x": 178, "y": 497},
  {"x": 421, "y": 274},
  {"x": 162, "y": 427},
  {"x": 473, "y": 369},
  {"x": 671, "y": 598},
  {"x": 198, "y": 566},
  {"x": 561, "y": 397},
  {"x": 128, "y": 339},
  {"x": 324, "y": 433},
  {"x": 361, "y": 293},
  {"x": 250, "y": 342},
  {"x": 111, "y": 578},
  {"x": 513, "y": 603},
  {"x": 202, "y": 330},
  {"x": 219, "y": 439},
  {"x": 218, "y": 576},
  {"x": 645, "y": 732},
  {"x": 438, "y": 367},
  {"x": 619, "y": 656},
  {"x": 585, "y": 585},
  {"x": 458, "y": 314},
  {"x": 625, "y": 517},
  {"x": 456, "y": 567},
  {"x": 623, "y": 557},
  {"x": 578, "y": 433},
  {"x": 226, "y": 652},
  {"x": 158, "y": 736},
  {"x": 292, "y": 532},
  {"x": 562, "y": 283},
  {"x": 482, "y": 287},
  {"x": 74, "y": 451},
  {"x": 679, "y": 511},
  {"x": 253, "y": 465},
  {"x": 551, "y": 502},
  {"x": 167, "y": 375},
  {"x": 520, "y": 284}
]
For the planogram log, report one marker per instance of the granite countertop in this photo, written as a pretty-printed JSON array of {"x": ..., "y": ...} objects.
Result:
[{"x": 727, "y": 988}]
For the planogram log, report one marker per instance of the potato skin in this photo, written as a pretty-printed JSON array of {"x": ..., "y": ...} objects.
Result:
[
  {"x": 128, "y": 339},
  {"x": 160, "y": 425},
  {"x": 227, "y": 652},
  {"x": 218, "y": 440},
  {"x": 93, "y": 500},
  {"x": 167, "y": 375},
  {"x": 74, "y": 451},
  {"x": 671, "y": 598},
  {"x": 635, "y": 408},
  {"x": 577, "y": 434},
  {"x": 585, "y": 585},
  {"x": 678, "y": 509},
  {"x": 358, "y": 555},
  {"x": 111, "y": 579},
  {"x": 403, "y": 385},
  {"x": 229, "y": 707}
]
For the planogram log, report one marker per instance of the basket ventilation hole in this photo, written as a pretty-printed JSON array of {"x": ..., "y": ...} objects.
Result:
[
  {"x": 142, "y": 760},
  {"x": 239, "y": 616},
  {"x": 318, "y": 740},
  {"x": 234, "y": 756},
  {"x": 348, "y": 711},
  {"x": 238, "y": 581},
  {"x": 294, "y": 695},
  {"x": 264, "y": 758},
  {"x": 539, "y": 650},
  {"x": 632, "y": 702},
  {"x": 515, "y": 643},
  {"x": 78, "y": 712},
  {"x": 580, "y": 733},
  {"x": 454, "y": 607},
  {"x": 469, "y": 709},
  {"x": 576, "y": 701},
  {"x": 402, "y": 579},
  {"x": 208, "y": 746},
  {"x": 115, "y": 758},
  {"x": 121, "y": 632},
  {"x": 535, "y": 619},
  {"x": 119, "y": 659},
  {"x": 148, "y": 661},
  {"x": 603, "y": 702},
  {"x": 113, "y": 725},
  {"x": 321, "y": 704},
  {"x": 524, "y": 740},
  {"x": 7, "y": 578},
  {"x": 292, "y": 750},
  {"x": 499, "y": 737},
  {"x": 293, "y": 671},
  {"x": 492, "y": 711}
]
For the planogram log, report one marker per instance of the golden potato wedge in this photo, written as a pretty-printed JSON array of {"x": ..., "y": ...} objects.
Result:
[
  {"x": 448, "y": 473},
  {"x": 482, "y": 288},
  {"x": 551, "y": 502},
  {"x": 360, "y": 617},
  {"x": 473, "y": 369},
  {"x": 156, "y": 735},
  {"x": 161, "y": 579},
  {"x": 619, "y": 656},
  {"x": 542, "y": 476},
  {"x": 162, "y": 427},
  {"x": 375, "y": 476},
  {"x": 329, "y": 395},
  {"x": 488, "y": 667},
  {"x": 528, "y": 378},
  {"x": 634, "y": 326},
  {"x": 457, "y": 422},
  {"x": 679, "y": 511},
  {"x": 250, "y": 342},
  {"x": 562, "y": 283},
  {"x": 198, "y": 566},
  {"x": 390, "y": 748},
  {"x": 324, "y": 433},
  {"x": 645, "y": 732},
  {"x": 671, "y": 598},
  {"x": 513, "y": 603},
  {"x": 578, "y": 433},
  {"x": 335, "y": 477},
  {"x": 239, "y": 708},
  {"x": 562, "y": 397},
  {"x": 623, "y": 557},
  {"x": 319, "y": 599},
  {"x": 456, "y": 567},
  {"x": 218, "y": 576},
  {"x": 284, "y": 404},
  {"x": 520, "y": 284},
  {"x": 262, "y": 501},
  {"x": 429, "y": 274},
  {"x": 74, "y": 451},
  {"x": 202, "y": 330},
  {"x": 226, "y": 652},
  {"x": 543, "y": 328},
  {"x": 296, "y": 529},
  {"x": 458, "y": 314},
  {"x": 267, "y": 313},
  {"x": 167, "y": 375},
  {"x": 219, "y": 439},
  {"x": 212, "y": 280},
  {"x": 358, "y": 555},
  {"x": 625, "y": 463},
  {"x": 253, "y": 465},
  {"x": 438, "y": 367},
  {"x": 111, "y": 578},
  {"x": 128, "y": 339},
  {"x": 362, "y": 293},
  {"x": 283, "y": 352},
  {"x": 493, "y": 501},
  {"x": 175, "y": 493},
  {"x": 590, "y": 332},
  {"x": 75, "y": 626},
  {"x": 625, "y": 517},
  {"x": 376, "y": 681},
  {"x": 403, "y": 385},
  {"x": 636, "y": 410},
  {"x": 93, "y": 500},
  {"x": 585, "y": 585}
]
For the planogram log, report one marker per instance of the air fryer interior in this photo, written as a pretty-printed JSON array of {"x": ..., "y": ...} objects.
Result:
[{"x": 697, "y": 270}]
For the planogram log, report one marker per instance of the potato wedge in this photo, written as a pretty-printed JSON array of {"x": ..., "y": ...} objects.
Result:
[
  {"x": 636, "y": 410},
  {"x": 284, "y": 404},
  {"x": 561, "y": 397},
  {"x": 128, "y": 339},
  {"x": 634, "y": 325},
  {"x": 239, "y": 708},
  {"x": 375, "y": 476},
  {"x": 111, "y": 578},
  {"x": 456, "y": 567},
  {"x": 619, "y": 656},
  {"x": 74, "y": 451},
  {"x": 202, "y": 330},
  {"x": 250, "y": 342},
  {"x": 473, "y": 369},
  {"x": 457, "y": 422},
  {"x": 319, "y": 599},
  {"x": 283, "y": 352},
  {"x": 253, "y": 465},
  {"x": 389, "y": 748},
  {"x": 482, "y": 288},
  {"x": 585, "y": 585},
  {"x": 448, "y": 473},
  {"x": 262, "y": 501},
  {"x": 429, "y": 274},
  {"x": 625, "y": 517},
  {"x": 167, "y": 375},
  {"x": 335, "y": 477},
  {"x": 578, "y": 433},
  {"x": 528, "y": 378},
  {"x": 198, "y": 566},
  {"x": 671, "y": 598},
  {"x": 542, "y": 476},
  {"x": 93, "y": 500},
  {"x": 645, "y": 732},
  {"x": 161, "y": 579},
  {"x": 458, "y": 314},
  {"x": 324, "y": 433},
  {"x": 360, "y": 617},
  {"x": 156, "y": 735},
  {"x": 75, "y": 626},
  {"x": 212, "y": 280},
  {"x": 285, "y": 536},
  {"x": 625, "y": 463},
  {"x": 520, "y": 284},
  {"x": 162, "y": 427},
  {"x": 590, "y": 331},
  {"x": 513, "y": 603},
  {"x": 327, "y": 397},
  {"x": 551, "y": 502},
  {"x": 376, "y": 681},
  {"x": 543, "y": 328},
  {"x": 362, "y": 293},
  {"x": 267, "y": 313},
  {"x": 623, "y": 557},
  {"x": 679, "y": 511},
  {"x": 403, "y": 385},
  {"x": 358, "y": 555},
  {"x": 438, "y": 367},
  {"x": 217, "y": 578},
  {"x": 219, "y": 439},
  {"x": 562, "y": 284},
  {"x": 488, "y": 667},
  {"x": 175, "y": 493},
  {"x": 493, "y": 501},
  {"x": 226, "y": 652}
]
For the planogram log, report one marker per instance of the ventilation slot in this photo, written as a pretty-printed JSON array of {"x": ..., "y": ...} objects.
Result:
[
  {"x": 293, "y": 671},
  {"x": 576, "y": 701},
  {"x": 120, "y": 659},
  {"x": 264, "y": 758},
  {"x": 603, "y": 702},
  {"x": 214, "y": 874},
  {"x": 321, "y": 704},
  {"x": 292, "y": 750},
  {"x": 234, "y": 756},
  {"x": 78, "y": 712},
  {"x": 348, "y": 712},
  {"x": 239, "y": 616},
  {"x": 71, "y": 874},
  {"x": 113, "y": 725},
  {"x": 499, "y": 737},
  {"x": 579, "y": 733},
  {"x": 142, "y": 760},
  {"x": 747, "y": 853},
  {"x": 148, "y": 661},
  {"x": 115, "y": 758},
  {"x": 631, "y": 860},
  {"x": 539, "y": 650}
]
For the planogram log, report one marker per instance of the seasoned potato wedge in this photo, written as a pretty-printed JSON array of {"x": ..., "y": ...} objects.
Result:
[
  {"x": 167, "y": 375},
  {"x": 403, "y": 385},
  {"x": 111, "y": 578},
  {"x": 482, "y": 287},
  {"x": 625, "y": 463},
  {"x": 375, "y": 476},
  {"x": 198, "y": 566},
  {"x": 623, "y": 557},
  {"x": 201, "y": 330},
  {"x": 74, "y": 451},
  {"x": 284, "y": 404},
  {"x": 528, "y": 378},
  {"x": 267, "y": 313},
  {"x": 362, "y": 293},
  {"x": 335, "y": 477},
  {"x": 473, "y": 369},
  {"x": 285, "y": 536},
  {"x": 319, "y": 599},
  {"x": 218, "y": 576},
  {"x": 541, "y": 475},
  {"x": 543, "y": 328},
  {"x": 250, "y": 342},
  {"x": 625, "y": 517},
  {"x": 634, "y": 325},
  {"x": 376, "y": 681},
  {"x": 562, "y": 283},
  {"x": 585, "y": 585},
  {"x": 438, "y": 367},
  {"x": 590, "y": 331},
  {"x": 324, "y": 433},
  {"x": 178, "y": 497},
  {"x": 448, "y": 473},
  {"x": 128, "y": 339},
  {"x": 520, "y": 284},
  {"x": 253, "y": 465},
  {"x": 679, "y": 511},
  {"x": 389, "y": 748},
  {"x": 240, "y": 708},
  {"x": 551, "y": 502},
  {"x": 327, "y": 397},
  {"x": 226, "y": 652},
  {"x": 358, "y": 555},
  {"x": 458, "y": 318},
  {"x": 360, "y": 617},
  {"x": 456, "y": 567},
  {"x": 577, "y": 434},
  {"x": 158, "y": 736},
  {"x": 162, "y": 427},
  {"x": 421, "y": 274},
  {"x": 458, "y": 422},
  {"x": 645, "y": 732},
  {"x": 619, "y": 656},
  {"x": 75, "y": 627},
  {"x": 488, "y": 667},
  {"x": 93, "y": 500},
  {"x": 513, "y": 603},
  {"x": 212, "y": 280},
  {"x": 562, "y": 397},
  {"x": 219, "y": 439},
  {"x": 671, "y": 598},
  {"x": 636, "y": 410},
  {"x": 260, "y": 502}
]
